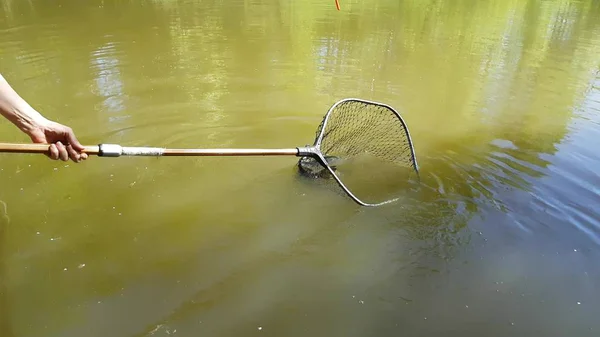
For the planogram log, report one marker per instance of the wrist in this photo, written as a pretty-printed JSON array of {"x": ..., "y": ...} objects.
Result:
[
  {"x": 18, "y": 111},
  {"x": 27, "y": 120}
]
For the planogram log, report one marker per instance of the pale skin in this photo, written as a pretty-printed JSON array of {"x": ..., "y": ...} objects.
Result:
[{"x": 63, "y": 143}]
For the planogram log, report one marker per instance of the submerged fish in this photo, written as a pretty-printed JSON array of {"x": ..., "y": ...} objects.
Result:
[{"x": 312, "y": 168}]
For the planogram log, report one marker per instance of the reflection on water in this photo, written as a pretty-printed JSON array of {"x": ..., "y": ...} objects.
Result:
[
  {"x": 108, "y": 82},
  {"x": 499, "y": 237}
]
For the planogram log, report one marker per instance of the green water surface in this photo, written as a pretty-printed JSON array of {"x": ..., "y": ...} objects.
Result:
[{"x": 501, "y": 238}]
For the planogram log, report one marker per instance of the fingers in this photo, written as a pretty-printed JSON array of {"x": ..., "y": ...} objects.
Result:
[
  {"x": 74, "y": 148},
  {"x": 64, "y": 144},
  {"x": 71, "y": 139},
  {"x": 53, "y": 152},
  {"x": 59, "y": 151},
  {"x": 62, "y": 151},
  {"x": 74, "y": 155}
]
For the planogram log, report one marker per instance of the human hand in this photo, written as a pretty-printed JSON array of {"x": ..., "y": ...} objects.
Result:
[{"x": 62, "y": 140}]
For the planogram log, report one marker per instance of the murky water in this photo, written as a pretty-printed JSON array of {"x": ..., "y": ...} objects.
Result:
[{"x": 502, "y": 238}]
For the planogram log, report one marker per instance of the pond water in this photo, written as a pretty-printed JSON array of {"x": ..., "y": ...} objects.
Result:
[{"x": 502, "y": 99}]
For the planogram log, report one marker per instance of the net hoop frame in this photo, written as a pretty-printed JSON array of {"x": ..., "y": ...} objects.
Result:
[{"x": 315, "y": 150}]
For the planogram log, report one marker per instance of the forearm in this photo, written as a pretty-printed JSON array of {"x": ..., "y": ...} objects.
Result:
[{"x": 16, "y": 109}]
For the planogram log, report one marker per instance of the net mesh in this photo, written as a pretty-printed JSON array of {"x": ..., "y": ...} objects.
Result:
[
  {"x": 368, "y": 147},
  {"x": 355, "y": 127}
]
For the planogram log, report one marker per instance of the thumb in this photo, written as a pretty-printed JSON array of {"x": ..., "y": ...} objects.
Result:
[{"x": 73, "y": 140}]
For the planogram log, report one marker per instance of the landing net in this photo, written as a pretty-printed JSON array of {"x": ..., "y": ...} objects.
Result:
[{"x": 366, "y": 147}]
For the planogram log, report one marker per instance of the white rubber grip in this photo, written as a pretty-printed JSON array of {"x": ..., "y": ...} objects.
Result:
[
  {"x": 115, "y": 150},
  {"x": 142, "y": 151}
]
